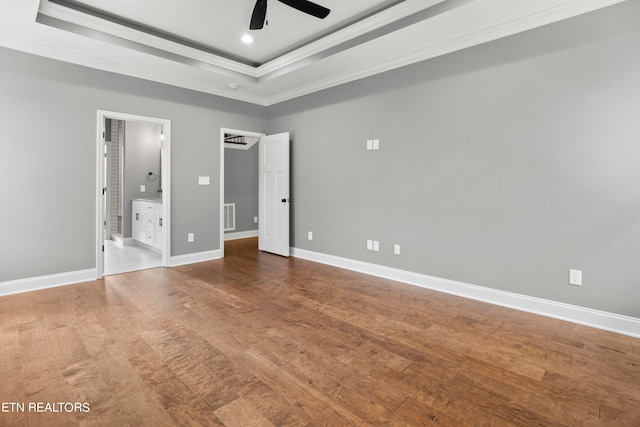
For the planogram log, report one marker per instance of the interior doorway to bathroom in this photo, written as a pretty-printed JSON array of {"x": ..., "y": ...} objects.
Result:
[{"x": 132, "y": 221}]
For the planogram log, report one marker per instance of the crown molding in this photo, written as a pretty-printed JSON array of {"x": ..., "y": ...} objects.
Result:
[
  {"x": 546, "y": 16},
  {"x": 79, "y": 22},
  {"x": 47, "y": 51},
  {"x": 100, "y": 28},
  {"x": 388, "y": 16},
  {"x": 462, "y": 25}
]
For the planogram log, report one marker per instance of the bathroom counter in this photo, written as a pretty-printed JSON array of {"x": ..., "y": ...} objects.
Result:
[{"x": 148, "y": 200}]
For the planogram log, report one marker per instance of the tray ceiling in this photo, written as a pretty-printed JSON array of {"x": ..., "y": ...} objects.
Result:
[{"x": 197, "y": 44}]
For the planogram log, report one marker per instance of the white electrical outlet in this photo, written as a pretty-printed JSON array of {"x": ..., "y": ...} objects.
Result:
[
  {"x": 369, "y": 245},
  {"x": 191, "y": 238},
  {"x": 310, "y": 235},
  {"x": 396, "y": 249},
  {"x": 143, "y": 188},
  {"x": 575, "y": 277},
  {"x": 376, "y": 246},
  {"x": 204, "y": 180}
]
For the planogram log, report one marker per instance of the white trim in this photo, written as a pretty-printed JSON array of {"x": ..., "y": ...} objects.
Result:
[
  {"x": 25, "y": 38},
  {"x": 45, "y": 282},
  {"x": 195, "y": 257},
  {"x": 581, "y": 315},
  {"x": 87, "y": 21},
  {"x": 460, "y": 40},
  {"x": 231, "y": 67},
  {"x": 165, "y": 183},
  {"x": 365, "y": 26},
  {"x": 100, "y": 184},
  {"x": 240, "y": 235}
]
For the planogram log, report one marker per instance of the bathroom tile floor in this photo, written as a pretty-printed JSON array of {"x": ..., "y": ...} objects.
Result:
[{"x": 121, "y": 259}]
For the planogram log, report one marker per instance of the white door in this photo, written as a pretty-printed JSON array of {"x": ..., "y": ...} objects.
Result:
[{"x": 273, "y": 171}]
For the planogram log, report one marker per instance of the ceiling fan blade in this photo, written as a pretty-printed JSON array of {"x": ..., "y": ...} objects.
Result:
[
  {"x": 259, "y": 15},
  {"x": 308, "y": 7}
]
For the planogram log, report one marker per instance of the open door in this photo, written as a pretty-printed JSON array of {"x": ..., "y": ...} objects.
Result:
[
  {"x": 273, "y": 171},
  {"x": 160, "y": 227}
]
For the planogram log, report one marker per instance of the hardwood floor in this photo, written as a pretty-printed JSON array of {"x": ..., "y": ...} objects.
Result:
[{"x": 259, "y": 340}]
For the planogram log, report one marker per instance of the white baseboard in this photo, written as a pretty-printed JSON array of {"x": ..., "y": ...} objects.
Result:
[
  {"x": 240, "y": 235},
  {"x": 194, "y": 258},
  {"x": 584, "y": 316},
  {"x": 45, "y": 282}
]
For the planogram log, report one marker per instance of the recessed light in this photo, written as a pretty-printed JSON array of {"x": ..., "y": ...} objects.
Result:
[{"x": 247, "y": 39}]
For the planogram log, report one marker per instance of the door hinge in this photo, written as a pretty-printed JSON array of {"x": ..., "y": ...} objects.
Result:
[
  {"x": 104, "y": 135},
  {"x": 104, "y": 191},
  {"x": 102, "y": 248}
]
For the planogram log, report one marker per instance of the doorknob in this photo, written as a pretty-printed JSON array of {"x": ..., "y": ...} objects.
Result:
[{"x": 285, "y": 200}]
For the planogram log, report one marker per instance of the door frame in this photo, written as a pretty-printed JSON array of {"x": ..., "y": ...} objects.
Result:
[
  {"x": 235, "y": 132},
  {"x": 165, "y": 181}
]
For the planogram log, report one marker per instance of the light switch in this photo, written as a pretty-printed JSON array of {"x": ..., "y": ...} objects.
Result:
[
  {"x": 376, "y": 144},
  {"x": 204, "y": 180},
  {"x": 143, "y": 188},
  {"x": 376, "y": 246},
  {"x": 369, "y": 245},
  {"x": 369, "y": 144}
]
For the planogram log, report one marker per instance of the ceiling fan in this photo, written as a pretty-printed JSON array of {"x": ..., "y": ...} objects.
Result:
[{"x": 260, "y": 11}]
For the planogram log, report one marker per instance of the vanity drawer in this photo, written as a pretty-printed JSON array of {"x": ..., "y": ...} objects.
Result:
[{"x": 139, "y": 205}]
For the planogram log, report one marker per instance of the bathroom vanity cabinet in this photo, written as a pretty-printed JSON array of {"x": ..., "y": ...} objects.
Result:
[{"x": 146, "y": 222}]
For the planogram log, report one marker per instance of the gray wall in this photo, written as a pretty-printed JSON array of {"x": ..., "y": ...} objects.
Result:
[
  {"x": 142, "y": 155},
  {"x": 241, "y": 185},
  {"x": 48, "y": 157},
  {"x": 503, "y": 165}
]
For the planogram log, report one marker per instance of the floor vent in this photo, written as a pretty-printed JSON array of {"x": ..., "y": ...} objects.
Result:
[{"x": 229, "y": 216}]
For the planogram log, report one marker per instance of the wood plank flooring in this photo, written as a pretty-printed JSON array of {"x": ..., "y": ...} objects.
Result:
[{"x": 259, "y": 340}]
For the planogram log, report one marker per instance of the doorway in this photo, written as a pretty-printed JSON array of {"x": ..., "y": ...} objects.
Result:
[
  {"x": 133, "y": 194},
  {"x": 238, "y": 184},
  {"x": 271, "y": 199}
]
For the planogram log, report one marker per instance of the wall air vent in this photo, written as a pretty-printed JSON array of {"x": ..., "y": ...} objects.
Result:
[{"x": 229, "y": 216}]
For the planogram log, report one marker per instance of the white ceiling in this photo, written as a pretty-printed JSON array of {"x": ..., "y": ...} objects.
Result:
[
  {"x": 218, "y": 25},
  {"x": 196, "y": 44}
]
